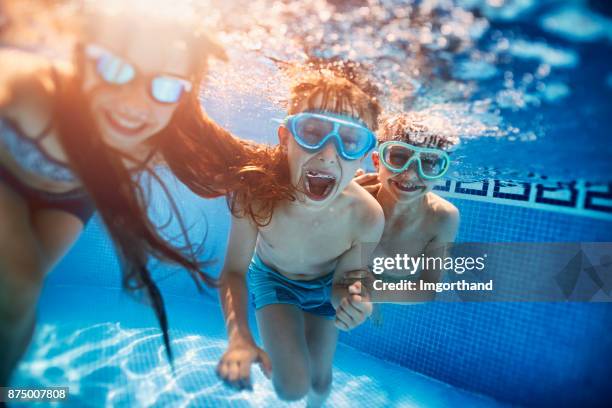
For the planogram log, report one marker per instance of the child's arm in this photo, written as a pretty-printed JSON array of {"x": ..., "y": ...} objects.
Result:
[
  {"x": 437, "y": 247},
  {"x": 235, "y": 364},
  {"x": 352, "y": 307},
  {"x": 26, "y": 87}
]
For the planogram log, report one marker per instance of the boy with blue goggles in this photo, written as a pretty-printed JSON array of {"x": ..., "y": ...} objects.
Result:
[
  {"x": 312, "y": 131},
  {"x": 411, "y": 156},
  {"x": 398, "y": 156}
]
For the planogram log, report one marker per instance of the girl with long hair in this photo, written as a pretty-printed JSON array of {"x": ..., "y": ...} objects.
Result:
[{"x": 73, "y": 139}]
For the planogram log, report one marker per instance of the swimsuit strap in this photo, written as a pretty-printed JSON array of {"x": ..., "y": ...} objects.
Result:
[
  {"x": 36, "y": 141},
  {"x": 44, "y": 133},
  {"x": 22, "y": 134},
  {"x": 149, "y": 157}
]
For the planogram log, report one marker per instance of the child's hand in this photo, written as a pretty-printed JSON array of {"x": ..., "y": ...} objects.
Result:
[
  {"x": 234, "y": 368},
  {"x": 353, "y": 308},
  {"x": 369, "y": 181},
  {"x": 24, "y": 74}
]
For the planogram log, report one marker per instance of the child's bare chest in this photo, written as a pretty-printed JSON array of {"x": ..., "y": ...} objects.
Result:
[{"x": 305, "y": 246}]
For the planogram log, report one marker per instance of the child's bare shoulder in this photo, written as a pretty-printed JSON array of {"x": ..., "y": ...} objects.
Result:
[
  {"x": 365, "y": 210},
  {"x": 442, "y": 211}
]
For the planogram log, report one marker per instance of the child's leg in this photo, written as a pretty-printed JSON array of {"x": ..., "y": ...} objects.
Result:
[
  {"x": 281, "y": 327},
  {"x": 321, "y": 338}
]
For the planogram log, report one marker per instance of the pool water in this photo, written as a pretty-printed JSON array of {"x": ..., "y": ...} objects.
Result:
[
  {"x": 525, "y": 84},
  {"x": 532, "y": 103}
]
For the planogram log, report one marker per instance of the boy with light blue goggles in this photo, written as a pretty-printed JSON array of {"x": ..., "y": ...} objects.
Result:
[
  {"x": 163, "y": 88},
  {"x": 397, "y": 156},
  {"x": 312, "y": 131}
]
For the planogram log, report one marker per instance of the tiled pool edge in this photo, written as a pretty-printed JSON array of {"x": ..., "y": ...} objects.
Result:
[{"x": 581, "y": 198}]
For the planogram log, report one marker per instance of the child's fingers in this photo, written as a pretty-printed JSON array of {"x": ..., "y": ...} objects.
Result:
[
  {"x": 222, "y": 370},
  {"x": 245, "y": 375},
  {"x": 364, "y": 307},
  {"x": 230, "y": 374},
  {"x": 344, "y": 318},
  {"x": 360, "y": 173},
  {"x": 350, "y": 315},
  {"x": 372, "y": 188},
  {"x": 348, "y": 310},
  {"x": 355, "y": 288},
  {"x": 340, "y": 324},
  {"x": 356, "y": 300},
  {"x": 366, "y": 179},
  {"x": 233, "y": 372},
  {"x": 354, "y": 307}
]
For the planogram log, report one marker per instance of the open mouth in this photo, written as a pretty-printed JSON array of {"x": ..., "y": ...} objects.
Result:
[
  {"x": 319, "y": 185},
  {"x": 125, "y": 126},
  {"x": 406, "y": 186}
]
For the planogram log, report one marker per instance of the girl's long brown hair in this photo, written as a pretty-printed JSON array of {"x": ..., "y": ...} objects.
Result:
[
  {"x": 212, "y": 163},
  {"x": 119, "y": 197}
]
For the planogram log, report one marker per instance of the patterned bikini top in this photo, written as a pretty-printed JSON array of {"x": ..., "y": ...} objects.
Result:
[{"x": 30, "y": 154}]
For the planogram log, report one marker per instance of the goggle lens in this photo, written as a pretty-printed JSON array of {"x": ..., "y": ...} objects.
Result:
[
  {"x": 354, "y": 139},
  {"x": 398, "y": 157},
  {"x": 116, "y": 71},
  {"x": 312, "y": 130},
  {"x": 167, "y": 89},
  {"x": 433, "y": 164}
]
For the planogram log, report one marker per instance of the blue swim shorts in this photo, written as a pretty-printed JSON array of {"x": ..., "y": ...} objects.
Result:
[{"x": 268, "y": 287}]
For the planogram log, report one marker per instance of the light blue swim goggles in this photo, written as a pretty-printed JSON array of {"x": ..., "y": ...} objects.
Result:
[
  {"x": 312, "y": 131},
  {"x": 114, "y": 70},
  {"x": 398, "y": 156}
]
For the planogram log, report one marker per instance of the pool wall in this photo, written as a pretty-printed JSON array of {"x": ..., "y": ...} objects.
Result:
[{"x": 534, "y": 354}]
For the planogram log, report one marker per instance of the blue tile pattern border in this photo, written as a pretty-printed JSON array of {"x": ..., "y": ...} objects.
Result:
[{"x": 581, "y": 198}]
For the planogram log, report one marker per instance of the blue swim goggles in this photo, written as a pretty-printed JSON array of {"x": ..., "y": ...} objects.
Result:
[
  {"x": 313, "y": 130},
  {"x": 398, "y": 156},
  {"x": 114, "y": 70}
]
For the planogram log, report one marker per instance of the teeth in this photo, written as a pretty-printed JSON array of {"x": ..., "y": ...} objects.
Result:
[
  {"x": 127, "y": 123},
  {"x": 312, "y": 173},
  {"x": 405, "y": 185},
  {"x": 319, "y": 184}
]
